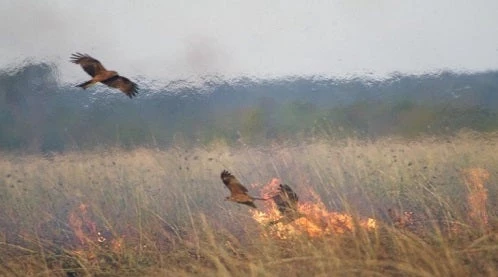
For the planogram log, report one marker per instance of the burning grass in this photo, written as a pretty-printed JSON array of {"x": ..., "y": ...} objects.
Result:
[
  {"x": 311, "y": 219},
  {"x": 384, "y": 208}
]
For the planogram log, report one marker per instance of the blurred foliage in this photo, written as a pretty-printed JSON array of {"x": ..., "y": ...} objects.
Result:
[{"x": 39, "y": 114}]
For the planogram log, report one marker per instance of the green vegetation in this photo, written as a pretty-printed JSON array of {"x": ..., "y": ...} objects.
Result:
[
  {"x": 37, "y": 114},
  {"x": 95, "y": 184},
  {"x": 163, "y": 214}
]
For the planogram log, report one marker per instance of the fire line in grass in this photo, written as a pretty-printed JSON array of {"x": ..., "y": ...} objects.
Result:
[{"x": 315, "y": 219}]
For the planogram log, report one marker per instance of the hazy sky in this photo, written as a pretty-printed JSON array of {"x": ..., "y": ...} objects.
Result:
[{"x": 165, "y": 40}]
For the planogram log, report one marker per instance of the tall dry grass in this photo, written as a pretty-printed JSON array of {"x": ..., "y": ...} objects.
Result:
[{"x": 161, "y": 212}]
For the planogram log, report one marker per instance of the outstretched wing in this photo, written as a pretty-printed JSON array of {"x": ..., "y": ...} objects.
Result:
[
  {"x": 124, "y": 84},
  {"x": 90, "y": 65},
  {"x": 286, "y": 200},
  {"x": 232, "y": 183},
  {"x": 289, "y": 193}
]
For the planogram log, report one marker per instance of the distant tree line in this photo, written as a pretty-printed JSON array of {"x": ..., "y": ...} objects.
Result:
[{"x": 37, "y": 113}]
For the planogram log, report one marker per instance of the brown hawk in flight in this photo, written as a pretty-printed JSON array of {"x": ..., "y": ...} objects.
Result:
[
  {"x": 99, "y": 74},
  {"x": 238, "y": 193}
]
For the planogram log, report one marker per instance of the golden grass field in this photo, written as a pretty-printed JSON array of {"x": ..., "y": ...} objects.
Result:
[{"x": 152, "y": 212}]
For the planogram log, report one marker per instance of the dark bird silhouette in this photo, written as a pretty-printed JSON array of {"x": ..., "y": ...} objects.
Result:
[
  {"x": 238, "y": 193},
  {"x": 286, "y": 201},
  {"x": 99, "y": 74}
]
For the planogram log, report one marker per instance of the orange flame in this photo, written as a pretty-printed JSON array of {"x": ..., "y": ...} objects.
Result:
[
  {"x": 83, "y": 226},
  {"x": 316, "y": 220},
  {"x": 477, "y": 194},
  {"x": 82, "y": 222}
]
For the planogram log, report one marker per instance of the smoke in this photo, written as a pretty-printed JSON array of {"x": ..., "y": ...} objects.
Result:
[
  {"x": 31, "y": 30},
  {"x": 173, "y": 40},
  {"x": 205, "y": 55}
]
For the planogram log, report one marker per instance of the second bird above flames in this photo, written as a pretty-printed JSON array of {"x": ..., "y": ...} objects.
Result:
[{"x": 285, "y": 199}]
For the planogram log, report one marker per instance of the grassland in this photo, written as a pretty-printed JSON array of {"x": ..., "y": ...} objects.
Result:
[{"x": 160, "y": 212}]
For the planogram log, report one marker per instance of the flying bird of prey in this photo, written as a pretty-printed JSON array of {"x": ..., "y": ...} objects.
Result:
[
  {"x": 99, "y": 74},
  {"x": 286, "y": 201},
  {"x": 238, "y": 193}
]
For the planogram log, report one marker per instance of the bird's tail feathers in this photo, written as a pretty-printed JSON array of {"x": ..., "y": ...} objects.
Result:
[
  {"x": 264, "y": 199},
  {"x": 85, "y": 84}
]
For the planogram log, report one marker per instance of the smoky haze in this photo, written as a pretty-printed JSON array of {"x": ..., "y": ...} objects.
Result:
[
  {"x": 165, "y": 41},
  {"x": 38, "y": 113},
  {"x": 328, "y": 96},
  {"x": 245, "y": 72}
]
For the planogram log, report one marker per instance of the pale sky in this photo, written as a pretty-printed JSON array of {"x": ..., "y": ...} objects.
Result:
[{"x": 165, "y": 40}]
